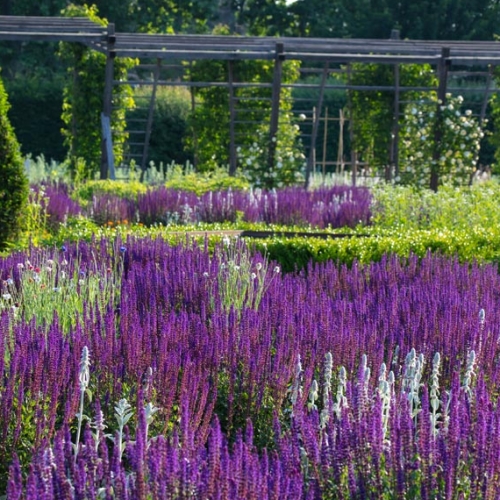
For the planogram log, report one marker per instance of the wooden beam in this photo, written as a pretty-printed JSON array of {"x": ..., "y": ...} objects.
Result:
[
  {"x": 354, "y": 154},
  {"x": 49, "y": 37}
]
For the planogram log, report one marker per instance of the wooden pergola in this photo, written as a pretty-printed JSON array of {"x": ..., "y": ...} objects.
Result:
[{"x": 328, "y": 51}]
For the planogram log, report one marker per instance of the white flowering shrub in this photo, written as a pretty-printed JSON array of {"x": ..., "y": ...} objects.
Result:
[
  {"x": 459, "y": 147},
  {"x": 290, "y": 161}
]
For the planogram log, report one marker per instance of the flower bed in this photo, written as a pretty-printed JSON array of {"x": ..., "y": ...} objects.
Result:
[{"x": 213, "y": 375}]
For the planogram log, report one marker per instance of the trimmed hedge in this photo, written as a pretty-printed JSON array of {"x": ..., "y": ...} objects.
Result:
[{"x": 476, "y": 244}]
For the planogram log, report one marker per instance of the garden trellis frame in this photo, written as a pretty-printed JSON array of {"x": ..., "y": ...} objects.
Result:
[{"x": 328, "y": 51}]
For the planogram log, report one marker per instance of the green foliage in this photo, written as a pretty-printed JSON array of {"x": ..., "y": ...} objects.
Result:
[
  {"x": 289, "y": 160},
  {"x": 494, "y": 138},
  {"x": 477, "y": 244},
  {"x": 35, "y": 220},
  {"x": 83, "y": 99},
  {"x": 453, "y": 208},
  {"x": 240, "y": 281},
  {"x": 43, "y": 282},
  {"x": 334, "y": 100},
  {"x": 170, "y": 124},
  {"x": 13, "y": 181},
  {"x": 36, "y": 105},
  {"x": 129, "y": 189},
  {"x": 424, "y": 20},
  {"x": 171, "y": 16},
  {"x": 455, "y": 156},
  {"x": 40, "y": 170},
  {"x": 264, "y": 17},
  {"x": 372, "y": 111},
  {"x": 211, "y": 144},
  {"x": 201, "y": 182}
]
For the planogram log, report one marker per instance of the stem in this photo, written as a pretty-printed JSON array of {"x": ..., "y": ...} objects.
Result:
[{"x": 80, "y": 418}]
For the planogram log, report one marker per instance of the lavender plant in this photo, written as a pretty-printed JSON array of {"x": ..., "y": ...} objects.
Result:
[{"x": 277, "y": 396}]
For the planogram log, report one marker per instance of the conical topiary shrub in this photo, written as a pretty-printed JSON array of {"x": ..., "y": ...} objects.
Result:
[{"x": 13, "y": 181}]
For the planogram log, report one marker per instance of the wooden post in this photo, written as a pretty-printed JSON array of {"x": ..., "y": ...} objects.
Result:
[
  {"x": 354, "y": 156},
  {"x": 107, "y": 160},
  {"x": 486, "y": 95},
  {"x": 438, "y": 130},
  {"x": 232, "y": 117},
  {"x": 395, "y": 124},
  {"x": 149, "y": 123},
  {"x": 312, "y": 150},
  {"x": 193, "y": 115},
  {"x": 340, "y": 151},
  {"x": 325, "y": 138},
  {"x": 394, "y": 151},
  {"x": 108, "y": 143},
  {"x": 275, "y": 105}
]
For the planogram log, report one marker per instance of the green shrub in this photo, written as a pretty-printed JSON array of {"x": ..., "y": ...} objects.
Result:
[
  {"x": 201, "y": 182},
  {"x": 457, "y": 208},
  {"x": 36, "y": 104},
  {"x": 124, "y": 189},
  {"x": 13, "y": 181},
  {"x": 170, "y": 124},
  {"x": 478, "y": 244},
  {"x": 459, "y": 145}
]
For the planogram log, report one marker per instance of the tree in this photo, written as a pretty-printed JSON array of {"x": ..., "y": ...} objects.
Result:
[
  {"x": 13, "y": 181},
  {"x": 426, "y": 20},
  {"x": 263, "y": 17}
]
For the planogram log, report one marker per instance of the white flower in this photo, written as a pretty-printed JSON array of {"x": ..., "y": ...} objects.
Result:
[
  {"x": 277, "y": 269},
  {"x": 6, "y": 296}
]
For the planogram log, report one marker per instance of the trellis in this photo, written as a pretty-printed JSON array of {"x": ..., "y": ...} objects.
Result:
[{"x": 329, "y": 51}]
